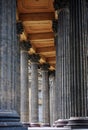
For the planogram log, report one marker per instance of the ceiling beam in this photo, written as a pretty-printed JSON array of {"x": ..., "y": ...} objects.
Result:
[
  {"x": 51, "y": 62},
  {"x": 48, "y": 54},
  {"x": 43, "y": 42},
  {"x": 41, "y": 36},
  {"x": 45, "y": 49},
  {"x": 51, "y": 59},
  {"x": 37, "y": 16}
]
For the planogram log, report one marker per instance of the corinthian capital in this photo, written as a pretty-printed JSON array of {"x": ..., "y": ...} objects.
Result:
[
  {"x": 19, "y": 27},
  {"x": 55, "y": 25},
  {"x": 60, "y": 4},
  {"x": 34, "y": 57},
  {"x": 44, "y": 66},
  {"x": 25, "y": 45}
]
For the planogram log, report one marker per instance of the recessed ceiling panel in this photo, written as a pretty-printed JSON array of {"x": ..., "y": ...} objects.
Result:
[
  {"x": 38, "y": 26},
  {"x": 43, "y": 42},
  {"x": 48, "y": 54},
  {"x": 29, "y": 6}
]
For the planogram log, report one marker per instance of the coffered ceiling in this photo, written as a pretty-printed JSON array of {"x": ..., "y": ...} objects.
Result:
[{"x": 37, "y": 16}]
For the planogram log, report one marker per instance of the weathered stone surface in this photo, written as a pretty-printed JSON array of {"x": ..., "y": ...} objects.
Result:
[
  {"x": 63, "y": 65},
  {"x": 78, "y": 45},
  {"x": 9, "y": 119},
  {"x": 45, "y": 95},
  {"x": 24, "y": 87},
  {"x": 52, "y": 84},
  {"x": 34, "y": 92}
]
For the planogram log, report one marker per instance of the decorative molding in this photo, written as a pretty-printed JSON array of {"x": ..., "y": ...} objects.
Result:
[
  {"x": 25, "y": 45},
  {"x": 34, "y": 57},
  {"x": 19, "y": 27}
]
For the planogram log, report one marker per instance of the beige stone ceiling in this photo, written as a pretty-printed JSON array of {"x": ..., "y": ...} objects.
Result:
[{"x": 37, "y": 16}]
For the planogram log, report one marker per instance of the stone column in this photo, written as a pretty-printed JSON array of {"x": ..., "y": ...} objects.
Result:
[
  {"x": 63, "y": 63},
  {"x": 52, "y": 85},
  {"x": 20, "y": 30},
  {"x": 34, "y": 58},
  {"x": 24, "y": 109},
  {"x": 87, "y": 59},
  {"x": 78, "y": 54},
  {"x": 9, "y": 118},
  {"x": 45, "y": 95},
  {"x": 55, "y": 29}
]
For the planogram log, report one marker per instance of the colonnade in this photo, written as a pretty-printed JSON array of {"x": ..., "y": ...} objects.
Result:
[
  {"x": 71, "y": 63},
  {"x": 70, "y": 93},
  {"x": 33, "y": 115}
]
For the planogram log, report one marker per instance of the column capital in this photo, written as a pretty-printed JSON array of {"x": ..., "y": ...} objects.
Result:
[
  {"x": 25, "y": 45},
  {"x": 52, "y": 73},
  {"x": 55, "y": 39},
  {"x": 44, "y": 66},
  {"x": 19, "y": 27},
  {"x": 60, "y": 4},
  {"x": 55, "y": 25},
  {"x": 87, "y": 4},
  {"x": 34, "y": 57}
]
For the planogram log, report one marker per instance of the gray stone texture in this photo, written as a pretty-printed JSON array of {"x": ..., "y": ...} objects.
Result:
[
  {"x": 24, "y": 109},
  {"x": 9, "y": 118},
  {"x": 17, "y": 78},
  {"x": 34, "y": 92},
  {"x": 63, "y": 65},
  {"x": 52, "y": 84},
  {"x": 45, "y": 96},
  {"x": 78, "y": 47}
]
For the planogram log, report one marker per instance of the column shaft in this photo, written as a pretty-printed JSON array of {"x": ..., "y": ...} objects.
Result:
[
  {"x": 45, "y": 97},
  {"x": 9, "y": 118},
  {"x": 7, "y": 55},
  {"x": 34, "y": 92},
  {"x": 52, "y": 99},
  {"x": 17, "y": 78},
  {"x": 24, "y": 87},
  {"x": 62, "y": 65},
  {"x": 78, "y": 36}
]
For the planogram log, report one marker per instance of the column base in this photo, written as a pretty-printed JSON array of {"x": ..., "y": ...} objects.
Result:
[
  {"x": 78, "y": 122},
  {"x": 12, "y": 128},
  {"x": 61, "y": 123},
  {"x": 45, "y": 125},
  {"x": 34, "y": 125},
  {"x": 9, "y": 120},
  {"x": 26, "y": 124}
]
